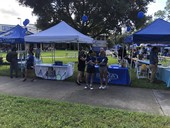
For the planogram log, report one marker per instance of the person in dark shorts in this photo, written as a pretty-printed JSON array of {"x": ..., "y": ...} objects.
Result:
[
  {"x": 29, "y": 65},
  {"x": 81, "y": 66},
  {"x": 90, "y": 62}
]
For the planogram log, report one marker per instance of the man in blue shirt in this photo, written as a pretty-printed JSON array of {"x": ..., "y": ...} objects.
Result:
[{"x": 153, "y": 63}]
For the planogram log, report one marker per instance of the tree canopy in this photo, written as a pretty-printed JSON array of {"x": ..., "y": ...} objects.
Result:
[
  {"x": 164, "y": 14},
  {"x": 103, "y": 15}
]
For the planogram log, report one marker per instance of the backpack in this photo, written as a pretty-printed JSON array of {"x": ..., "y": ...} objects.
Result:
[{"x": 9, "y": 57}]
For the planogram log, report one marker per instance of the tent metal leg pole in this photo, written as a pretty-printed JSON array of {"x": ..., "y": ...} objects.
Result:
[
  {"x": 131, "y": 64},
  {"x": 52, "y": 54},
  {"x": 78, "y": 47},
  {"x": 54, "y": 51}
]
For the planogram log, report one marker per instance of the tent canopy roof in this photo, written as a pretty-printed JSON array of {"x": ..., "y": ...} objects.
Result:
[
  {"x": 128, "y": 39},
  {"x": 59, "y": 33},
  {"x": 14, "y": 35},
  {"x": 158, "y": 31}
]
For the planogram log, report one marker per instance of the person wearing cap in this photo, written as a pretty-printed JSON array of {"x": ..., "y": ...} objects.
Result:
[{"x": 90, "y": 62}]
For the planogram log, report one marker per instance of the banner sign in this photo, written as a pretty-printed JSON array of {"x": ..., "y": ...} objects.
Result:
[
  {"x": 54, "y": 72},
  {"x": 116, "y": 75}
]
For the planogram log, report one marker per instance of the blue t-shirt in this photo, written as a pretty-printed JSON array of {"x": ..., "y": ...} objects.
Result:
[
  {"x": 153, "y": 58},
  {"x": 102, "y": 61},
  {"x": 30, "y": 61},
  {"x": 93, "y": 59}
]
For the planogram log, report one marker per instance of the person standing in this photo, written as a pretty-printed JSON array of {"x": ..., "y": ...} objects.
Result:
[
  {"x": 12, "y": 58},
  {"x": 153, "y": 63},
  {"x": 90, "y": 62},
  {"x": 29, "y": 65},
  {"x": 38, "y": 52},
  {"x": 103, "y": 69},
  {"x": 81, "y": 66}
]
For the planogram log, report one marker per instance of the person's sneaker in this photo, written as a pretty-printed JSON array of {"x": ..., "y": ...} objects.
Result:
[
  {"x": 33, "y": 80},
  {"x": 100, "y": 87},
  {"x": 78, "y": 83},
  {"x": 104, "y": 87},
  {"x": 86, "y": 86},
  {"x": 91, "y": 87},
  {"x": 24, "y": 80}
]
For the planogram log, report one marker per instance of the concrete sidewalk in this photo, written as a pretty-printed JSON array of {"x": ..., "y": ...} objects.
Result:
[{"x": 117, "y": 97}]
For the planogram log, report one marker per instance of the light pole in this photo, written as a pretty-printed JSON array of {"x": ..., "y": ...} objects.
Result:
[{"x": 19, "y": 20}]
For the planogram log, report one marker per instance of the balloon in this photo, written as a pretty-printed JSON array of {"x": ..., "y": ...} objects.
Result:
[
  {"x": 128, "y": 28},
  {"x": 84, "y": 18},
  {"x": 26, "y": 22},
  {"x": 140, "y": 15}
]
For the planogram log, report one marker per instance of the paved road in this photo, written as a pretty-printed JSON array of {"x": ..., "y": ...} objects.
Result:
[{"x": 118, "y": 97}]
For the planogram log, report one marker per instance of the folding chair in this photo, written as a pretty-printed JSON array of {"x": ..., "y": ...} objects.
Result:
[{"x": 141, "y": 73}]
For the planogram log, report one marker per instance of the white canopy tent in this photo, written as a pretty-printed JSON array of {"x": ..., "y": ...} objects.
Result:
[{"x": 60, "y": 33}]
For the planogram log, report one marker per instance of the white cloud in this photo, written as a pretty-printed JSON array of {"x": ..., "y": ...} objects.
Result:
[
  {"x": 10, "y": 10},
  {"x": 157, "y": 5}
]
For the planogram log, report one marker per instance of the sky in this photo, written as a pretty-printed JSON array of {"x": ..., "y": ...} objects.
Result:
[
  {"x": 13, "y": 13},
  {"x": 157, "y": 5},
  {"x": 10, "y": 11}
]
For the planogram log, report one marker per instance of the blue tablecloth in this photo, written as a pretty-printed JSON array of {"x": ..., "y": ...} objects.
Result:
[
  {"x": 163, "y": 74},
  {"x": 116, "y": 75}
]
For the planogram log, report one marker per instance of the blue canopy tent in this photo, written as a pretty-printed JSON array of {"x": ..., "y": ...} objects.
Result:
[
  {"x": 14, "y": 35},
  {"x": 128, "y": 39},
  {"x": 156, "y": 32}
]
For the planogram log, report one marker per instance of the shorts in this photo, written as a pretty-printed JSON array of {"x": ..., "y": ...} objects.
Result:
[
  {"x": 30, "y": 67},
  {"x": 103, "y": 69},
  {"x": 90, "y": 70},
  {"x": 81, "y": 68}
]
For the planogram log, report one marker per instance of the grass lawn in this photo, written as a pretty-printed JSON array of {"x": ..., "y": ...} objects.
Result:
[{"x": 19, "y": 112}]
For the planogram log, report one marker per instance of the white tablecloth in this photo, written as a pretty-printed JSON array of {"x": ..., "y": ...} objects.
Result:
[
  {"x": 21, "y": 64},
  {"x": 163, "y": 73},
  {"x": 54, "y": 72}
]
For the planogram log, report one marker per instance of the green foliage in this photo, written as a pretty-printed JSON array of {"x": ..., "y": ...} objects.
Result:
[
  {"x": 103, "y": 15},
  {"x": 17, "y": 112},
  {"x": 160, "y": 14},
  {"x": 164, "y": 14}
]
